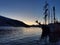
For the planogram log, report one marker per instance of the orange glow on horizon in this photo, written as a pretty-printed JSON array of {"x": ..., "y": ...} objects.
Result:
[{"x": 30, "y": 22}]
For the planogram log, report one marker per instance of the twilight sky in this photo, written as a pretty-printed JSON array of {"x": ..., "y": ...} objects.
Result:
[{"x": 27, "y": 11}]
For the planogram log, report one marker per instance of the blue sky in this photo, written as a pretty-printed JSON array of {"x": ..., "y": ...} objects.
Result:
[{"x": 27, "y": 11}]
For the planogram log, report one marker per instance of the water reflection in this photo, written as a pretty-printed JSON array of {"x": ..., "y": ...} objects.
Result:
[{"x": 14, "y": 33}]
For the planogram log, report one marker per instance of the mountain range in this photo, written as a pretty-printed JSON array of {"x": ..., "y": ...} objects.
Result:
[{"x": 5, "y": 21}]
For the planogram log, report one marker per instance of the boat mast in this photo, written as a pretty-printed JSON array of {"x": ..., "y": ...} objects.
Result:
[
  {"x": 54, "y": 14},
  {"x": 46, "y": 13}
]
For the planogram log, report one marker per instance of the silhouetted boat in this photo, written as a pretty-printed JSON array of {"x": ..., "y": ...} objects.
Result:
[{"x": 51, "y": 29}]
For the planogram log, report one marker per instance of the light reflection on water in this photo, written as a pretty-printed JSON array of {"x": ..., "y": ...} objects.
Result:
[{"x": 14, "y": 33}]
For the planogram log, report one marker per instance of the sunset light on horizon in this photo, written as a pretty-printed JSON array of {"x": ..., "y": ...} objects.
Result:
[{"x": 27, "y": 11}]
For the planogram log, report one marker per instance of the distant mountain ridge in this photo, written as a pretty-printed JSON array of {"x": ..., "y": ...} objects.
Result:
[{"x": 4, "y": 21}]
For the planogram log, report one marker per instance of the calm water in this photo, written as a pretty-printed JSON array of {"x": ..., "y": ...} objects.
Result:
[{"x": 19, "y": 35}]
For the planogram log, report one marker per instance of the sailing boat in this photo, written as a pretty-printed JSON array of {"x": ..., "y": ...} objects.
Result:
[
  {"x": 54, "y": 29},
  {"x": 50, "y": 29}
]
